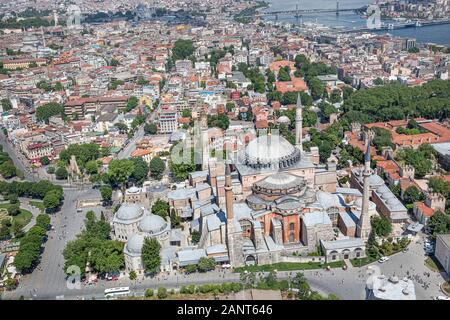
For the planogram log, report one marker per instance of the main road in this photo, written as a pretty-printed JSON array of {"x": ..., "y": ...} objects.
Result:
[
  {"x": 348, "y": 284},
  {"x": 18, "y": 160},
  {"x": 49, "y": 276}
]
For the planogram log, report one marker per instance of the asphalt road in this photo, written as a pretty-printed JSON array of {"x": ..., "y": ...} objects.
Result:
[
  {"x": 19, "y": 162},
  {"x": 49, "y": 277},
  {"x": 131, "y": 146},
  {"x": 347, "y": 284}
]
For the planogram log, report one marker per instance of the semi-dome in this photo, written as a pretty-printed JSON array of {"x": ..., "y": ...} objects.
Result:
[
  {"x": 327, "y": 200},
  {"x": 129, "y": 212},
  {"x": 135, "y": 243},
  {"x": 284, "y": 180},
  {"x": 271, "y": 151},
  {"x": 152, "y": 224}
]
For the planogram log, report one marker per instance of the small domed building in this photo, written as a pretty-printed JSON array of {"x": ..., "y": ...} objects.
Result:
[
  {"x": 126, "y": 220},
  {"x": 132, "y": 224}
]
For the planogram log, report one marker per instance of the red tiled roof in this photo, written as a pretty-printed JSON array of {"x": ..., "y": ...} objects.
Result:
[{"x": 426, "y": 211}]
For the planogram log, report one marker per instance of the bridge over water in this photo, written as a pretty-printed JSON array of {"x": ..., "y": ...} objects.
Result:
[{"x": 297, "y": 12}]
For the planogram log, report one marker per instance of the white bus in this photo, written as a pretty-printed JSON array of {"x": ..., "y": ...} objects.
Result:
[{"x": 117, "y": 292}]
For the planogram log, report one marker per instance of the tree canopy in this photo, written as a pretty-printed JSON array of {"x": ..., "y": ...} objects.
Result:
[
  {"x": 151, "y": 257},
  {"x": 182, "y": 49},
  {"x": 395, "y": 101},
  {"x": 381, "y": 226},
  {"x": 157, "y": 167},
  {"x": 94, "y": 246},
  {"x": 48, "y": 110}
]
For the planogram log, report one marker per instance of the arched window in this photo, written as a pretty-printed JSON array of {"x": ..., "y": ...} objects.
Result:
[
  {"x": 291, "y": 237},
  {"x": 246, "y": 227},
  {"x": 291, "y": 226}
]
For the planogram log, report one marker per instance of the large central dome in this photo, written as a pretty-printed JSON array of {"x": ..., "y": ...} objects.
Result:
[{"x": 271, "y": 151}]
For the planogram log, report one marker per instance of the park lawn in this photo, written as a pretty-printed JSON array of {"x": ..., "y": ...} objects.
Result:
[
  {"x": 362, "y": 261},
  {"x": 38, "y": 204},
  {"x": 288, "y": 266},
  {"x": 433, "y": 264}
]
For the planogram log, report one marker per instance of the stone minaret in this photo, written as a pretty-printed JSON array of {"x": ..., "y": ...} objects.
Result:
[
  {"x": 228, "y": 193},
  {"x": 234, "y": 233},
  {"x": 299, "y": 124},
  {"x": 363, "y": 228}
]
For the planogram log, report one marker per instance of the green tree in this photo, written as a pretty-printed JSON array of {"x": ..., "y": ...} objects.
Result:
[
  {"x": 8, "y": 170},
  {"x": 43, "y": 221},
  {"x": 151, "y": 257},
  {"x": 106, "y": 193},
  {"x": 161, "y": 208},
  {"x": 61, "y": 174},
  {"x": 150, "y": 128},
  {"x": 121, "y": 170},
  {"x": 157, "y": 167},
  {"x": 91, "y": 167},
  {"x": 82, "y": 152},
  {"x": 140, "y": 171},
  {"x": 206, "y": 264},
  {"x": 52, "y": 200},
  {"x": 182, "y": 49},
  {"x": 132, "y": 275},
  {"x": 44, "y": 160},
  {"x": 412, "y": 194},
  {"x": 190, "y": 268},
  {"x": 381, "y": 226},
  {"x": 6, "y": 104},
  {"x": 149, "y": 293},
  {"x": 304, "y": 290},
  {"x": 316, "y": 87},
  {"x": 439, "y": 223},
  {"x": 219, "y": 121},
  {"x": 114, "y": 62},
  {"x": 132, "y": 103},
  {"x": 162, "y": 293},
  {"x": 58, "y": 86},
  {"x": 48, "y": 110},
  {"x": 195, "y": 235},
  {"x": 284, "y": 74}
]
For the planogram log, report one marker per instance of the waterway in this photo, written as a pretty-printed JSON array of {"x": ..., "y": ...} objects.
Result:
[{"x": 439, "y": 34}]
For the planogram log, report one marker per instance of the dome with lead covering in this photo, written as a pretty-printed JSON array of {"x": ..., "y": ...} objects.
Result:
[
  {"x": 129, "y": 212},
  {"x": 271, "y": 151},
  {"x": 135, "y": 243},
  {"x": 153, "y": 224}
]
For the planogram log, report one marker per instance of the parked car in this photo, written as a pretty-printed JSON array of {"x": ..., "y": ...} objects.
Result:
[
  {"x": 383, "y": 259},
  {"x": 112, "y": 276}
]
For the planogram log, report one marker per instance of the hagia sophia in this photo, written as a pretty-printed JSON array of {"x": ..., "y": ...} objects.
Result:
[{"x": 271, "y": 204}]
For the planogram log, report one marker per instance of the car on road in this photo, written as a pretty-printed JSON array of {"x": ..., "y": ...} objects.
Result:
[
  {"x": 383, "y": 259},
  {"x": 112, "y": 276},
  {"x": 405, "y": 250}
]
